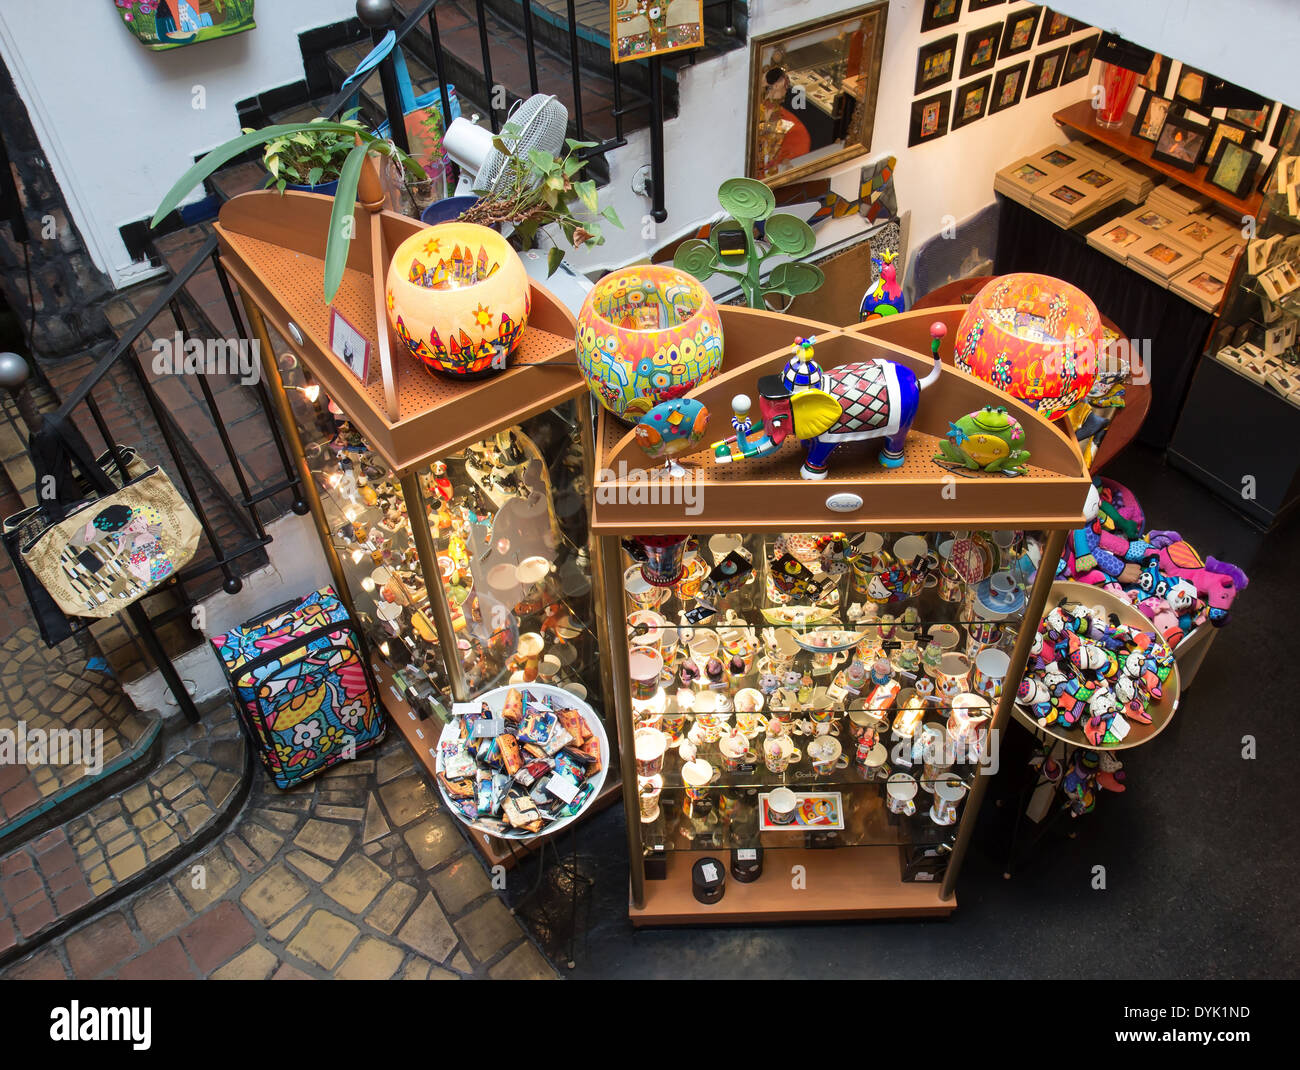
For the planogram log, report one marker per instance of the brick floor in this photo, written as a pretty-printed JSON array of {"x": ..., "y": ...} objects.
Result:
[{"x": 313, "y": 903}]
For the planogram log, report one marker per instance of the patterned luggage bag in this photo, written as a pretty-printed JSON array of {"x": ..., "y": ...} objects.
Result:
[{"x": 303, "y": 688}]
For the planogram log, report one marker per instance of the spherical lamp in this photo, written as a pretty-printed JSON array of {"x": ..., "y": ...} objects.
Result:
[
  {"x": 647, "y": 334},
  {"x": 1033, "y": 336},
  {"x": 458, "y": 298}
]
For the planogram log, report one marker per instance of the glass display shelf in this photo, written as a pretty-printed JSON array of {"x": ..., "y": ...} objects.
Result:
[{"x": 735, "y": 824}]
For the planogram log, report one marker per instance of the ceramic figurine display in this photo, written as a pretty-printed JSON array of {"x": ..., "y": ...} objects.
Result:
[
  {"x": 672, "y": 428},
  {"x": 987, "y": 441},
  {"x": 646, "y": 335},
  {"x": 885, "y": 297},
  {"x": 851, "y": 403},
  {"x": 1035, "y": 337},
  {"x": 458, "y": 297}
]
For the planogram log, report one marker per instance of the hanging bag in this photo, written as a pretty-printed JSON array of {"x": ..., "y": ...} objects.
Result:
[{"x": 96, "y": 556}]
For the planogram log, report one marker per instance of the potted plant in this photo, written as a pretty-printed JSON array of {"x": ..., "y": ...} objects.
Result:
[
  {"x": 542, "y": 189},
  {"x": 341, "y": 227},
  {"x": 309, "y": 160}
]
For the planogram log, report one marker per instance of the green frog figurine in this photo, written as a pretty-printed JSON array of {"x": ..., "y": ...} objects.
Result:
[{"x": 986, "y": 440}]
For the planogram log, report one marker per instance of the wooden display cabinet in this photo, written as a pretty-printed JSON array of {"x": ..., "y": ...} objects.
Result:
[
  {"x": 763, "y": 503},
  {"x": 428, "y": 493}
]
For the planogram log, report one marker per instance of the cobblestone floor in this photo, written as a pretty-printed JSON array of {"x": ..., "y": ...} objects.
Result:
[
  {"x": 43, "y": 690},
  {"x": 358, "y": 874}
]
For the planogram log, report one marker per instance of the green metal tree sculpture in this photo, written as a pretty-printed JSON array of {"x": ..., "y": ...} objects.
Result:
[{"x": 747, "y": 202}]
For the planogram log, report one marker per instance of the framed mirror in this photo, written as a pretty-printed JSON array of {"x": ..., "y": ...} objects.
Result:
[{"x": 812, "y": 97}]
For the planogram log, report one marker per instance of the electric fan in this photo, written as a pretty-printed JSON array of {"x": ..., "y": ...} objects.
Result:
[{"x": 542, "y": 122}]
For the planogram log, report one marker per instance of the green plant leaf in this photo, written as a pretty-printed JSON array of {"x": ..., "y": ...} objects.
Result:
[
  {"x": 543, "y": 162},
  {"x": 223, "y": 154},
  {"x": 790, "y": 234},
  {"x": 794, "y": 278},
  {"x": 696, "y": 257},
  {"x": 586, "y": 191},
  {"x": 609, "y": 213},
  {"x": 341, "y": 230},
  {"x": 572, "y": 165},
  {"x": 314, "y": 176},
  {"x": 746, "y": 198},
  {"x": 554, "y": 259},
  {"x": 579, "y": 144}
]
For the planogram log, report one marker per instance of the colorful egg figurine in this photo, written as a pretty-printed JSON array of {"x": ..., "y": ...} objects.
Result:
[
  {"x": 672, "y": 428},
  {"x": 458, "y": 297},
  {"x": 647, "y": 334}
]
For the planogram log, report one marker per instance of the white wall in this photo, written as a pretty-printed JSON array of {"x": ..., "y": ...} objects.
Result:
[
  {"x": 949, "y": 177},
  {"x": 118, "y": 120},
  {"x": 1253, "y": 43}
]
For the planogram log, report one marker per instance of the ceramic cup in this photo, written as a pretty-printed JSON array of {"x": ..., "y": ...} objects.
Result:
[
  {"x": 734, "y": 748},
  {"x": 991, "y": 665},
  {"x": 781, "y": 806},
  {"x": 900, "y": 791},
  {"x": 645, "y": 629},
  {"x": 697, "y": 775},
  {"x": 779, "y": 752},
  {"x": 945, "y": 636},
  {"x": 529, "y": 652},
  {"x": 643, "y": 594},
  {"x": 548, "y": 668},
  {"x": 648, "y": 790},
  {"x": 646, "y": 667},
  {"x": 872, "y": 760},
  {"x": 826, "y": 755},
  {"x": 931, "y": 749},
  {"x": 953, "y": 676},
  {"x": 692, "y": 579},
  {"x": 649, "y": 745},
  {"x": 703, "y": 645},
  {"x": 948, "y": 792}
]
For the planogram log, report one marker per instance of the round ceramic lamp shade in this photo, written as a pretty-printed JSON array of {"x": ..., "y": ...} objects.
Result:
[
  {"x": 1035, "y": 337},
  {"x": 647, "y": 334},
  {"x": 458, "y": 298}
]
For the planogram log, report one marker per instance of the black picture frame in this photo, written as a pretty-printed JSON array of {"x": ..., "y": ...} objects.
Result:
[
  {"x": 1245, "y": 117},
  {"x": 963, "y": 96},
  {"x": 1149, "y": 131},
  {"x": 1193, "y": 134},
  {"x": 1078, "y": 58},
  {"x": 1230, "y": 150},
  {"x": 1047, "y": 71},
  {"x": 1156, "y": 78},
  {"x": 987, "y": 36},
  {"x": 980, "y": 5},
  {"x": 1020, "y": 71},
  {"x": 1016, "y": 22},
  {"x": 1192, "y": 100},
  {"x": 938, "y": 13},
  {"x": 1054, "y": 26},
  {"x": 916, "y": 134},
  {"x": 1246, "y": 138},
  {"x": 925, "y": 53},
  {"x": 1283, "y": 117}
]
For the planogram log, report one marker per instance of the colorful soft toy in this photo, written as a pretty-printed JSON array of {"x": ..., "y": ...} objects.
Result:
[
  {"x": 1217, "y": 582},
  {"x": 1090, "y": 773}
]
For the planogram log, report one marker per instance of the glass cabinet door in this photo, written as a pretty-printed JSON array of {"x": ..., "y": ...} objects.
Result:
[{"x": 820, "y": 689}]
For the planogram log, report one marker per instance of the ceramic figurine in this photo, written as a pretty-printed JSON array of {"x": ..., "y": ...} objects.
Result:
[
  {"x": 885, "y": 298},
  {"x": 986, "y": 440},
  {"x": 858, "y": 401},
  {"x": 672, "y": 428}
]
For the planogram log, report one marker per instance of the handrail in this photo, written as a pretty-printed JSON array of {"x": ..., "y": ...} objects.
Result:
[{"x": 335, "y": 106}]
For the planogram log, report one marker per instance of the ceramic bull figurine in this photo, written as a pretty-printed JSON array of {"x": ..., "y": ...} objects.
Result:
[{"x": 863, "y": 400}]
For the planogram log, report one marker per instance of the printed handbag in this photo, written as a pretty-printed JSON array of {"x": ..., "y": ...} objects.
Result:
[
  {"x": 303, "y": 688},
  {"x": 99, "y": 555},
  {"x": 164, "y": 24}
]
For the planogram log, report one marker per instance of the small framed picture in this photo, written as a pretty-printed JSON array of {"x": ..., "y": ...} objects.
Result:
[
  {"x": 938, "y": 13},
  {"x": 1057, "y": 159},
  {"x": 1257, "y": 250},
  {"x": 1047, "y": 71},
  {"x": 1008, "y": 87},
  {"x": 972, "y": 101},
  {"x": 1225, "y": 128},
  {"x": 1067, "y": 194},
  {"x": 935, "y": 63},
  {"x": 1279, "y": 128},
  {"x": 1027, "y": 174},
  {"x": 1055, "y": 26},
  {"x": 1095, "y": 178},
  {"x": 1253, "y": 119},
  {"x": 1278, "y": 338},
  {"x": 1290, "y": 279},
  {"x": 1232, "y": 168},
  {"x": 1157, "y": 75},
  {"x": 1120, "y": 237},
  {"x": 1152, "y": 220},
  {"x": 1181, "y": 143},
  {"x": 350, "y": 346},
  {"x": 929, "y": 118},
  {"x": 1272, "y": 284},
  {"x": 1079, "y": 58},
  {"x": 1198, "y": 235},
  {"x": 980, "y": 5},
  {"x": 980, "y": 50},
  {"x": 1018, "y": 33},
  {"x": 1208, "y": 284},
  {"x": 1150, "y": 116},
  {"x": 1190, "y": 87}
]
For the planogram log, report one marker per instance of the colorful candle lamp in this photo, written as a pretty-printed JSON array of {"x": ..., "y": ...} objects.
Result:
[
  {"x": 1035, "y": 337},
  {"x": 647, "y": 334},
  {"x": 458, "y": 298}
]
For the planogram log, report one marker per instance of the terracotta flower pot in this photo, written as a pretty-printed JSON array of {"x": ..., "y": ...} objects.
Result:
[
  {"x": 458, "y": 298},
  {"x": 647, "y": 334}
]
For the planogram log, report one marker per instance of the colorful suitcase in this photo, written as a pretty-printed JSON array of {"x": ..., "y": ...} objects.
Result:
[{"x": 303, "y": 688}]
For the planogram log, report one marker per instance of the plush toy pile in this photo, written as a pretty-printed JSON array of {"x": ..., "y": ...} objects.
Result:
[
  {"x": 1158, "y": 572},
  {"x": 1089, "y": 671}
]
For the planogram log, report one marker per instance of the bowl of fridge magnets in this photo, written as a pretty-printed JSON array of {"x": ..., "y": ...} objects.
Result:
[
  {"x": 797, "y": 616},
  {"x": 828, "y": 639},
  {"x": 521, "y": 762}
]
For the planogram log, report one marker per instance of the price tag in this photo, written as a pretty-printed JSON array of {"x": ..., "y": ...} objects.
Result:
[
  {"x": 746, "y": 854},
  {"x": 710, "y": 871},
  {"x": 1120, "y": 726},
  {"x": 562, "y": 788}
]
